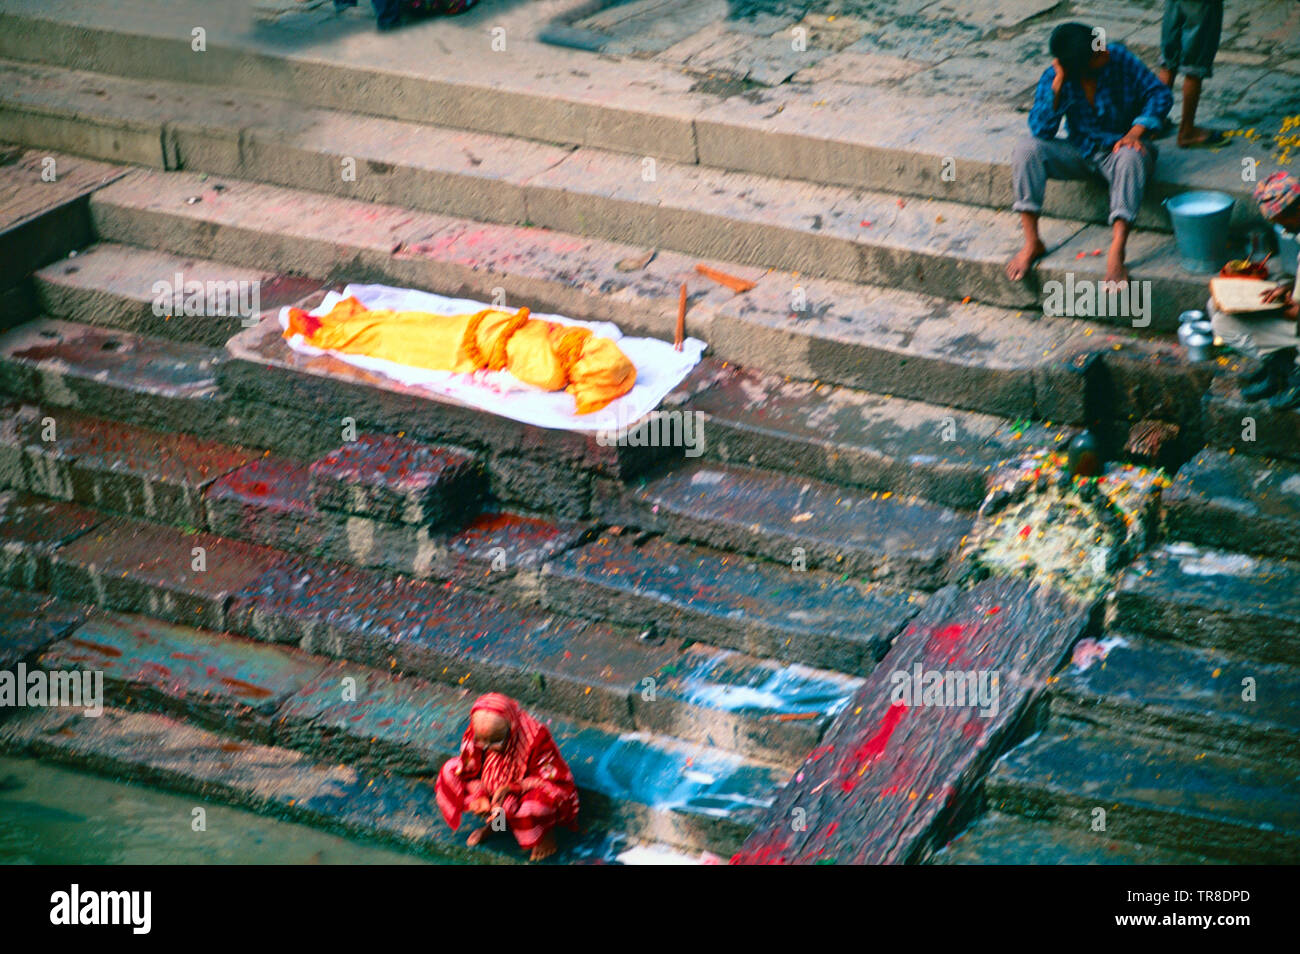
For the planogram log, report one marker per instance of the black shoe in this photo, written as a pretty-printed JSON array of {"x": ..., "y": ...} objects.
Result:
[
  {"x": 1258, "y": 376},
  {"x": 1270, "y": 377},
  {"x": 1288, "y": 396}
]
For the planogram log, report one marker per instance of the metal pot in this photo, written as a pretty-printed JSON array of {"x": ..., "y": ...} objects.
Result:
[{"x": 1200, "y": 346}]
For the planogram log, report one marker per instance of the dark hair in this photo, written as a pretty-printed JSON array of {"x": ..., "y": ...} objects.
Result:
[{"x": 1071, "y": 43}]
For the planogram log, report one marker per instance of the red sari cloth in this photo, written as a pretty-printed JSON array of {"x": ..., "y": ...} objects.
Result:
[{"x": 530, "y": 753}]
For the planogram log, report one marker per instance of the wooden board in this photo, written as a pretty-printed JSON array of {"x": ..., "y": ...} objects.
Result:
[{"x": 889, "y": 775}]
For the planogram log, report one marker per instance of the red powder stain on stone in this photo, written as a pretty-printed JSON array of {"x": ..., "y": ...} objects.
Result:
[
  {"x": 258, "y": 692},
  {"x": 188, "y": 657},
  {"x": 1025, "y": 531},
  {"x": 98, "y": 647},
  {"x": 949, "y": 633},
  {"x": 831, "y": 829},
  {"x": 873, "y": 747},
  {"x": 820, "y": 751},
  {"x": 770, "y": 854}
]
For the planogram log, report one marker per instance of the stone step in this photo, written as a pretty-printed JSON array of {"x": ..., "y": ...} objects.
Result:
[
  {"x": 1248, "y": 427},
  {"x": 807, "y": 618},
  {"x": 1165, "y": 796},
  {"x": 135, "y": 289},
  {"x": 395, "y": 480},
  {"x": 826, "y": 131},
  {"x": 796, "y": 521},
  {"x": 69, "y": 365},
  {"x": 1209, "y": 599},
  {"x": 270, "y": 502},
  {"x": 1154, "y": 691},
  {"x": 1236, "y": 502},
  {"x": 31, "y": 622},
  {"x": 927, "y": 245},
  {"x": 568, "y": 666},
  {"x": 167, "y": 385},
  {"x": 279, "y": 696},
  {"x": 110, "y": 465},
  {"x": 31, "y": 530},
  {"x": 998, "y": 839},
  {"x": 44, "y": 217},
  {"x": 861, "y": 439},
  {"x": 435, "y": 631},
  {"x": 975, "y": 356},
  {"x": 148, "y": 382}
]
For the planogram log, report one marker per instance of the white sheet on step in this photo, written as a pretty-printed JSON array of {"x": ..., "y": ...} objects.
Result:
[{"x": 659, "y": 368}]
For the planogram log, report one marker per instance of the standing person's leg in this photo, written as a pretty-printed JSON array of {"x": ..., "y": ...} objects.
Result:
[
  {"x": 1171, "y": 42},
  {"x": 1127, "y": 170},
  {"x": 1033, "y": 162},
  {"x": 1202, "y": 26}
]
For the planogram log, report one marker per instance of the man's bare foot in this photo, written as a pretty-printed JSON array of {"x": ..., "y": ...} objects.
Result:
[
  {"x": 1115, "y": 270},
  {"x": 1191, "y": 138},
  {"x": 544, "y": 848},
  {"x": 477, "y": 835},
  {"x": 1019, "y": 266}
]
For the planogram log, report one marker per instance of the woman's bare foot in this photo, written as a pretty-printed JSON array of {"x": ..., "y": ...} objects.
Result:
[
  {"x": 1019, "y": 266},
  {"x": 544, "y": 848},
  {"x": 477, "y": 835}
]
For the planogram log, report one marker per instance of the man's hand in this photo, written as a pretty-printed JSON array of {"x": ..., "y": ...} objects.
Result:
[
  {"x": 1058, "y": 83},
  {"x": 500, "y": 795},
  {"x": 479, "y": 805},
  {"x": 1132, "y": 140}
]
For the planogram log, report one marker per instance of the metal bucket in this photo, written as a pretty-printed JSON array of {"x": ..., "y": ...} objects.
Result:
[{"x": 1201, "y": 229}]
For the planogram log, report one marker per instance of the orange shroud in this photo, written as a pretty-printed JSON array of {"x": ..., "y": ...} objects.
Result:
[{"x": 546, "y": 355}]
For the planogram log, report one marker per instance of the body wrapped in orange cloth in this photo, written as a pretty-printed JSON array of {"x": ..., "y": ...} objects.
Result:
[{"x": 544, "y": 354}]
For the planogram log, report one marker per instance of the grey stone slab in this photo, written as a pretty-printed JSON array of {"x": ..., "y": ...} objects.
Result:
[
  {"x": 1211, "y": 599},
  {"x": 918, "y": 38},
  {"x": 1198, "y": 699},
  {"x": 31, "y": 622},
  {"x": 1162, "y": 795},
  {"x": 1236, "y": 502},
  {"x": 989, "y": 14},
  {"x": 804, "y": 617},
  {"x": 974, "y": 356},
  {"x": 861, "y": 438},
  {"x": 786, "y": 518},
  {"x": 999, "y": 839}
]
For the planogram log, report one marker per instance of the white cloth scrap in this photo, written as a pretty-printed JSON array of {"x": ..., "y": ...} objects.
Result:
[{"x": 659, "y": 368}]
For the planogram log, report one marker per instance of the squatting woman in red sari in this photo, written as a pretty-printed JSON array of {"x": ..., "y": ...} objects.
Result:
[{"x": 509, "y": 766}]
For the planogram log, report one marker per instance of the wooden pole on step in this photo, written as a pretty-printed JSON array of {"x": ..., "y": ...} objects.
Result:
[{"x": 681, "y": 320}]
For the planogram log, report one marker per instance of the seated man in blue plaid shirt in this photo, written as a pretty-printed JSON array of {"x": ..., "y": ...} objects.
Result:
[{"x": 1110, "y": 103}]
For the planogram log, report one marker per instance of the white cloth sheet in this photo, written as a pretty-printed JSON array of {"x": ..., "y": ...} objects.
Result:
[{"x": 659, "y": 368}]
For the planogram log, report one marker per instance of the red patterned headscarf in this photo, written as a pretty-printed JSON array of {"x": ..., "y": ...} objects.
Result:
[
  {"x": 511, "y": 764},
  {"x": 1276, "y": 194}
]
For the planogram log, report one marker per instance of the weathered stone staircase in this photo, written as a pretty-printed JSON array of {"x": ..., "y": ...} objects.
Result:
[{"x": 347, "y": 527}]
